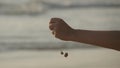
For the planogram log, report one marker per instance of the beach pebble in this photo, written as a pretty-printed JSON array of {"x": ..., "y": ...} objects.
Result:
[{"x": 66, "y": 54}]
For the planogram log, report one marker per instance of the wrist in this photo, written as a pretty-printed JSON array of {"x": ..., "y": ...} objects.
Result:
[{"x": 73, "y": 35}]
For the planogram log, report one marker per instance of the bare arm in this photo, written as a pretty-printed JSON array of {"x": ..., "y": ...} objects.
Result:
[{"x": 108, "y": 39}]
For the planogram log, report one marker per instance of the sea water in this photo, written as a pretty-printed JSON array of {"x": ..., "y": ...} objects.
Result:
[{"x": 29, "y": 30}]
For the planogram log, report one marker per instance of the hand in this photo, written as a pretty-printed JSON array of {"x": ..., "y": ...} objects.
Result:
[{"x": 60, "y": 29}]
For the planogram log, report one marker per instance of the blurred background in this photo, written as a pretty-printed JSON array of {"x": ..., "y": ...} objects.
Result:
[{"x": 27, "y": 42}]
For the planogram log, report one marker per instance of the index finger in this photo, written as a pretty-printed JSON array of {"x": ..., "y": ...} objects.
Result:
[{"x": 55, "y": 20}]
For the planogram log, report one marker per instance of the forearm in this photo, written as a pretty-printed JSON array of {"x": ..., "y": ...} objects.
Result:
[{"x": 108, "y": 39}]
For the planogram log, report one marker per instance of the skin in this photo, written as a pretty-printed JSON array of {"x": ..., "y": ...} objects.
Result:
[{"x": 108, "y": 39}]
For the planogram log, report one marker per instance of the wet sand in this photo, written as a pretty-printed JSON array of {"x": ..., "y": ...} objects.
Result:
[{"x": 82, "y": 58}]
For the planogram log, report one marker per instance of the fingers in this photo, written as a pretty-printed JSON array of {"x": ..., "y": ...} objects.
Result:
[
  {"x": 52, "y": 28},
  {"x": 53, "y": 24},
  {"x": 55, "y": 20}
]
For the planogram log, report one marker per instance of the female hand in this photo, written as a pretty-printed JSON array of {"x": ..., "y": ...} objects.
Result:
[{"x": 60, "y": 29}]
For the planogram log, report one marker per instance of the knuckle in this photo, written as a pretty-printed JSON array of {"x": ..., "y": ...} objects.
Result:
[
  {"x": 52, "y": 19},
  {"x": 59, "y": 19},
  {"x": 50, "y": 27}
]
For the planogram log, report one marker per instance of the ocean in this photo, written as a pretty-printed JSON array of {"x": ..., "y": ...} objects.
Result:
[
  {"x": 27, "y": 27},
  {"x": 27, "y": 42}
]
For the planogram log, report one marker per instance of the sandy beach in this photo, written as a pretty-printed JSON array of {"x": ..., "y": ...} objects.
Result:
[{"x": 82, "y": 58}]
